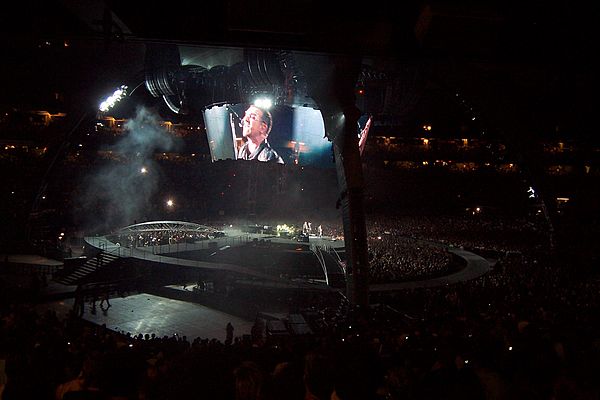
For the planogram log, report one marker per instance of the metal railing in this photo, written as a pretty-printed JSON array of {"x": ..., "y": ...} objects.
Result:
[
  {"x": 317, "y": 251},
  {"x": 109, "y": 247}
]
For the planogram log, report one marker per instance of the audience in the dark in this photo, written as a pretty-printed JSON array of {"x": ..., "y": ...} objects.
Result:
[{"x": 528, "y": 329}]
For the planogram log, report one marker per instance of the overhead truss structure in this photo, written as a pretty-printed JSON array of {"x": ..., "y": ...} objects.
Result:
[{"x": 166, "y": 226}]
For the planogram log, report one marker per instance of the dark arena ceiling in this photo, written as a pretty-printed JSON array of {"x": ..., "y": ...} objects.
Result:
[{"x": 535, "y": 56}]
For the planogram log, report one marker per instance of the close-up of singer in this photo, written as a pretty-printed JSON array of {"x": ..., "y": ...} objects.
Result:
[{"x": 256, "y": 127}]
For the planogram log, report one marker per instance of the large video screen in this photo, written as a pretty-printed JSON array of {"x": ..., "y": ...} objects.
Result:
[
  {"x": 280, "y": 134},
  {"x": 257, "y": 104},
  {"x": 292, "y": 135}
]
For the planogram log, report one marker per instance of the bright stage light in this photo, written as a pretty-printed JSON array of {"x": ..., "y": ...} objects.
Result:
[
  {"x": 263, "y": 102},
  {"x": 170, "y": 203},
  {"x": 113, "y": 99}
]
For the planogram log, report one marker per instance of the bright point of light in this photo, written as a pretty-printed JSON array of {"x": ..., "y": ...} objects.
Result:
[
  {"x": 143, "y": 170},
  {"x": 509, "y": 348},
  {"x": 263, "y": 102},
  {"x": 170, "y": 203},
  {"x": 113, "y": 99}
]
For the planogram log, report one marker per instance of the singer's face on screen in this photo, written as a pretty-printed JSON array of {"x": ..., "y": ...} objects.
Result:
[{"x": 253, "y": 125}]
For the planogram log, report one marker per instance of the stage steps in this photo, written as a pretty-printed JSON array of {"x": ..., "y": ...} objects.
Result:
[{"x": 92, "y": 265}]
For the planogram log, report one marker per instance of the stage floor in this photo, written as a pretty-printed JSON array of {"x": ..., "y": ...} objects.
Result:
[{"x": 145, "y": 313}]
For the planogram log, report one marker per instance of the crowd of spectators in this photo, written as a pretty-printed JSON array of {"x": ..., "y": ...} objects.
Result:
[
  {"x": 157, "y": 238},
  {"x": 467, "y": 230},
  {"x": 526, "y": 330},
  {"x": 395, "y": 258},
  {"x": 415, "y": 247}
]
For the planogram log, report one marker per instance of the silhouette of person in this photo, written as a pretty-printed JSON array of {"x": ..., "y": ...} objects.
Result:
[
  {"x": 229, "y": 337},
  {"x": 104, "y": 300},
  {"x": 78, "y": 306}
]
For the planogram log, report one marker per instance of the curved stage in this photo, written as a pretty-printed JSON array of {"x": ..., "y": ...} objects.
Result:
[{"x": 229, "y": 238}]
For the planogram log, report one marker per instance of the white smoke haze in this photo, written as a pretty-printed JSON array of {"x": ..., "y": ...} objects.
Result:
[{"x": 119, "y": 194}]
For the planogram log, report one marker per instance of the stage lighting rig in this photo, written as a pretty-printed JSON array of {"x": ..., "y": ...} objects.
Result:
[
  {"x": 113, "y": 99},
  {"x": 263, "y": 102},
  {"x": 187, "y": 89}
]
